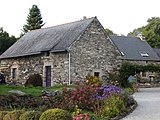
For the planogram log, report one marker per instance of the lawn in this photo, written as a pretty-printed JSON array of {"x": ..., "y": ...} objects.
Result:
[{"x": 35, "y": 91}]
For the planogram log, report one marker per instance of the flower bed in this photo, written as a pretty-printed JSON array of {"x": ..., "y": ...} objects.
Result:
[{"x": 85, "y": 101}]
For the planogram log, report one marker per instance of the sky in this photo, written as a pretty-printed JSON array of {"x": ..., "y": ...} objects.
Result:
[{"x": 120, "y": 16}]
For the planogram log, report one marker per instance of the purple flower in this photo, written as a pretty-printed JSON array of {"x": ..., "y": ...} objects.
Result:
[{"x": 106, "y": 90}]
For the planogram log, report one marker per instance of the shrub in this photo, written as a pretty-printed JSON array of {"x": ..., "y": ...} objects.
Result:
[
  {"x": 13, "y": 115},
  {"x": 83, "y": 95},
  {"x": 39, "y": 103},
  {"x": 106, "y": 91},
  {"x": 77, "y": 111},
  {"x": 113, "y": 106},
  {"x": 93, "y": 80},
  {"x": 34, "y": 80},
  {"x": 114, "y": 78},
  {"x": 2, "y": 114},
  {"x": 30, "y": 115},
  {"x": 55, "y": 114}
]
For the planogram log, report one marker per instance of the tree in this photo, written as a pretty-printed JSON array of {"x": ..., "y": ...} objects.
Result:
[
  {"x": 5, "y": 40},
  {"x": 151, "y": 32},
  {"x": 109, "y": 32},
  {"x": 34, "y": 19}
]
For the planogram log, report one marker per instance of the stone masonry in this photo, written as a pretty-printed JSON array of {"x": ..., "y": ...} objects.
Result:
[{"x": 93, "y": 52}]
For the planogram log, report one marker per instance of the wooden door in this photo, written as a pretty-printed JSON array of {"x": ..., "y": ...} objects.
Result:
[{"x": 48, "y": 76}]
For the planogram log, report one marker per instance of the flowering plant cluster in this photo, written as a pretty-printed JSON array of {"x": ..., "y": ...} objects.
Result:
[
  {"x": 104, "y": 100},
  {"x": 82, "y": 95},
  {"x": 82, "y": 117},
  {"x": 106, "y": 91}
]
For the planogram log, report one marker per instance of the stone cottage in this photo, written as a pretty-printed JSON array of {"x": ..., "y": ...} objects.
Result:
[
  {"x": 136, "y": 50},
  {"x": 62, "y": 53}
]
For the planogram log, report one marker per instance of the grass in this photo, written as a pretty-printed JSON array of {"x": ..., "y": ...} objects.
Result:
[{"x": 34, "y": 91}]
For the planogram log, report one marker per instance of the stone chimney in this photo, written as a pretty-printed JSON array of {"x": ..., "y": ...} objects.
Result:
[
  {"x": 84, "y": 17},
  {"x": 140, "y": 36}
]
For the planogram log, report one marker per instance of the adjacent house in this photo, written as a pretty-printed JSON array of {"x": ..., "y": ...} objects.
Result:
[
  {"x": 62, "y": 53},
  {"x": 136, "y": 50}
]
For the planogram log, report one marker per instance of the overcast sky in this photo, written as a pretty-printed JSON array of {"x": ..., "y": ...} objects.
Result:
[{"x": 120, "y": 16}]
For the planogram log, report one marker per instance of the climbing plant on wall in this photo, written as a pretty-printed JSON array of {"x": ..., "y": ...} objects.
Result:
[{"x": 128, "y": 69}]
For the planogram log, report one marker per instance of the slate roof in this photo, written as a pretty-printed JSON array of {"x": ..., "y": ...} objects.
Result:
[
  {"x": 54, "y": 39},
  {"x": 157, "y": 51},
  {"x": 131, "y": 48}
]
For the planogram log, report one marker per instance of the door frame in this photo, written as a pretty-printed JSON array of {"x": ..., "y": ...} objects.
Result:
[
  {"x": 44, "y": 73},
  {"x": 48, "y": 77}
]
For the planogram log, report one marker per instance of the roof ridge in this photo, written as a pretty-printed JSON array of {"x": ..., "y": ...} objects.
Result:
[
  {"x": 125, "y": 36},
  {"x": 70, "y": 23},
  {"x": 64, "y": 23}
]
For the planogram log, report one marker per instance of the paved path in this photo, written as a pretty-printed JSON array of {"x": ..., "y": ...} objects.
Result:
[{"x": 148, "y": 105}]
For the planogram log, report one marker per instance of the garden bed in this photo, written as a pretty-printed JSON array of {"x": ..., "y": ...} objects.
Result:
[{"x": 92, "y": 100}]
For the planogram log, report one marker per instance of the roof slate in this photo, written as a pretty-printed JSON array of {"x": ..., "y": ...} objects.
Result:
[
  {"x": 132, "y": 47},
  {"x": 54, "y": 39},
  {"x": 157, "y": 51}
]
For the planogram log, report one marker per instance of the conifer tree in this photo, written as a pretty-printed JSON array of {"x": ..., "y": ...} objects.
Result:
[{"x": 34, "y": 19}]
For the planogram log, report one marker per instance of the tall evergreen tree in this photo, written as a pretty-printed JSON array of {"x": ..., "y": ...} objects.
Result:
[{"x": 34, "y": 19}]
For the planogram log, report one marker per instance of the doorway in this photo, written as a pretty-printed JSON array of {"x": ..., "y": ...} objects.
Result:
[{"x": 48, "y": 75}]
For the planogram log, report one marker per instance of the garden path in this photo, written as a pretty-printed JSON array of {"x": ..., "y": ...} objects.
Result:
[{"x": 148, "y": 108}]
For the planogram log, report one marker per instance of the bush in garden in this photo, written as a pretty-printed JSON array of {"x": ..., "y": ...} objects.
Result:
[
  {"x": 106, "y": 91},
  {"x": 13, "y": 115},
  {"x": 82, "y": 95},
  {"x": 34, "y": 80},
  {"x": 114, "y": 78},
  {"x": 77, "y": 114},
  {"x": 113, "y": 106},
  {"x": 40, "y": 103},
  {"x": 113, "y": 100},
  {"x": 93, "y": 80},
  {"x": 30, "y": 115},
  {"x": 2, "y": 114},
  {"x": 77, "y": 111},
  {"x": 55, "y": 114}
]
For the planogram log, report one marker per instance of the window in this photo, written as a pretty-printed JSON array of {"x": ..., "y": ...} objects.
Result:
[
  {"x": 144, "y": 54},
  {"x": 96, "y": 74},
  {"x": 14, "y": 73}
]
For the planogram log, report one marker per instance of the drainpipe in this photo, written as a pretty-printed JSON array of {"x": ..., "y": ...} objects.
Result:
[
  {"x": 69, "y": 68},
  {"x": 69, "y": 65}
]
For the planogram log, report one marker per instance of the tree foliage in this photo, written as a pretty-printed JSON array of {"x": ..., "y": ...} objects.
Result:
[
  {"x": 109, "y": 32},
  {"x": 151, "y": 32},
  {"x": 34, "y": 19},
  {"x": 5, "y": 40}
]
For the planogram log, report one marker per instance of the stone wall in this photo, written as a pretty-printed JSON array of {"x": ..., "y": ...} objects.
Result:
[
  {"x": 25, "y": 66},
  {"x": 60, "y": 67},
  {"x": 36, "y": 64},
  {"x": 93, "y": 52}
]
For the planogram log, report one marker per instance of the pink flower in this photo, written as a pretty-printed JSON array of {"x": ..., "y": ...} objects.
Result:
[{"x": 87, "y": 81}]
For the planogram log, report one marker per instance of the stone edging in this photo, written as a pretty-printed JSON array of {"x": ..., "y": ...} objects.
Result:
[{"x": 122, "y": 115}]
